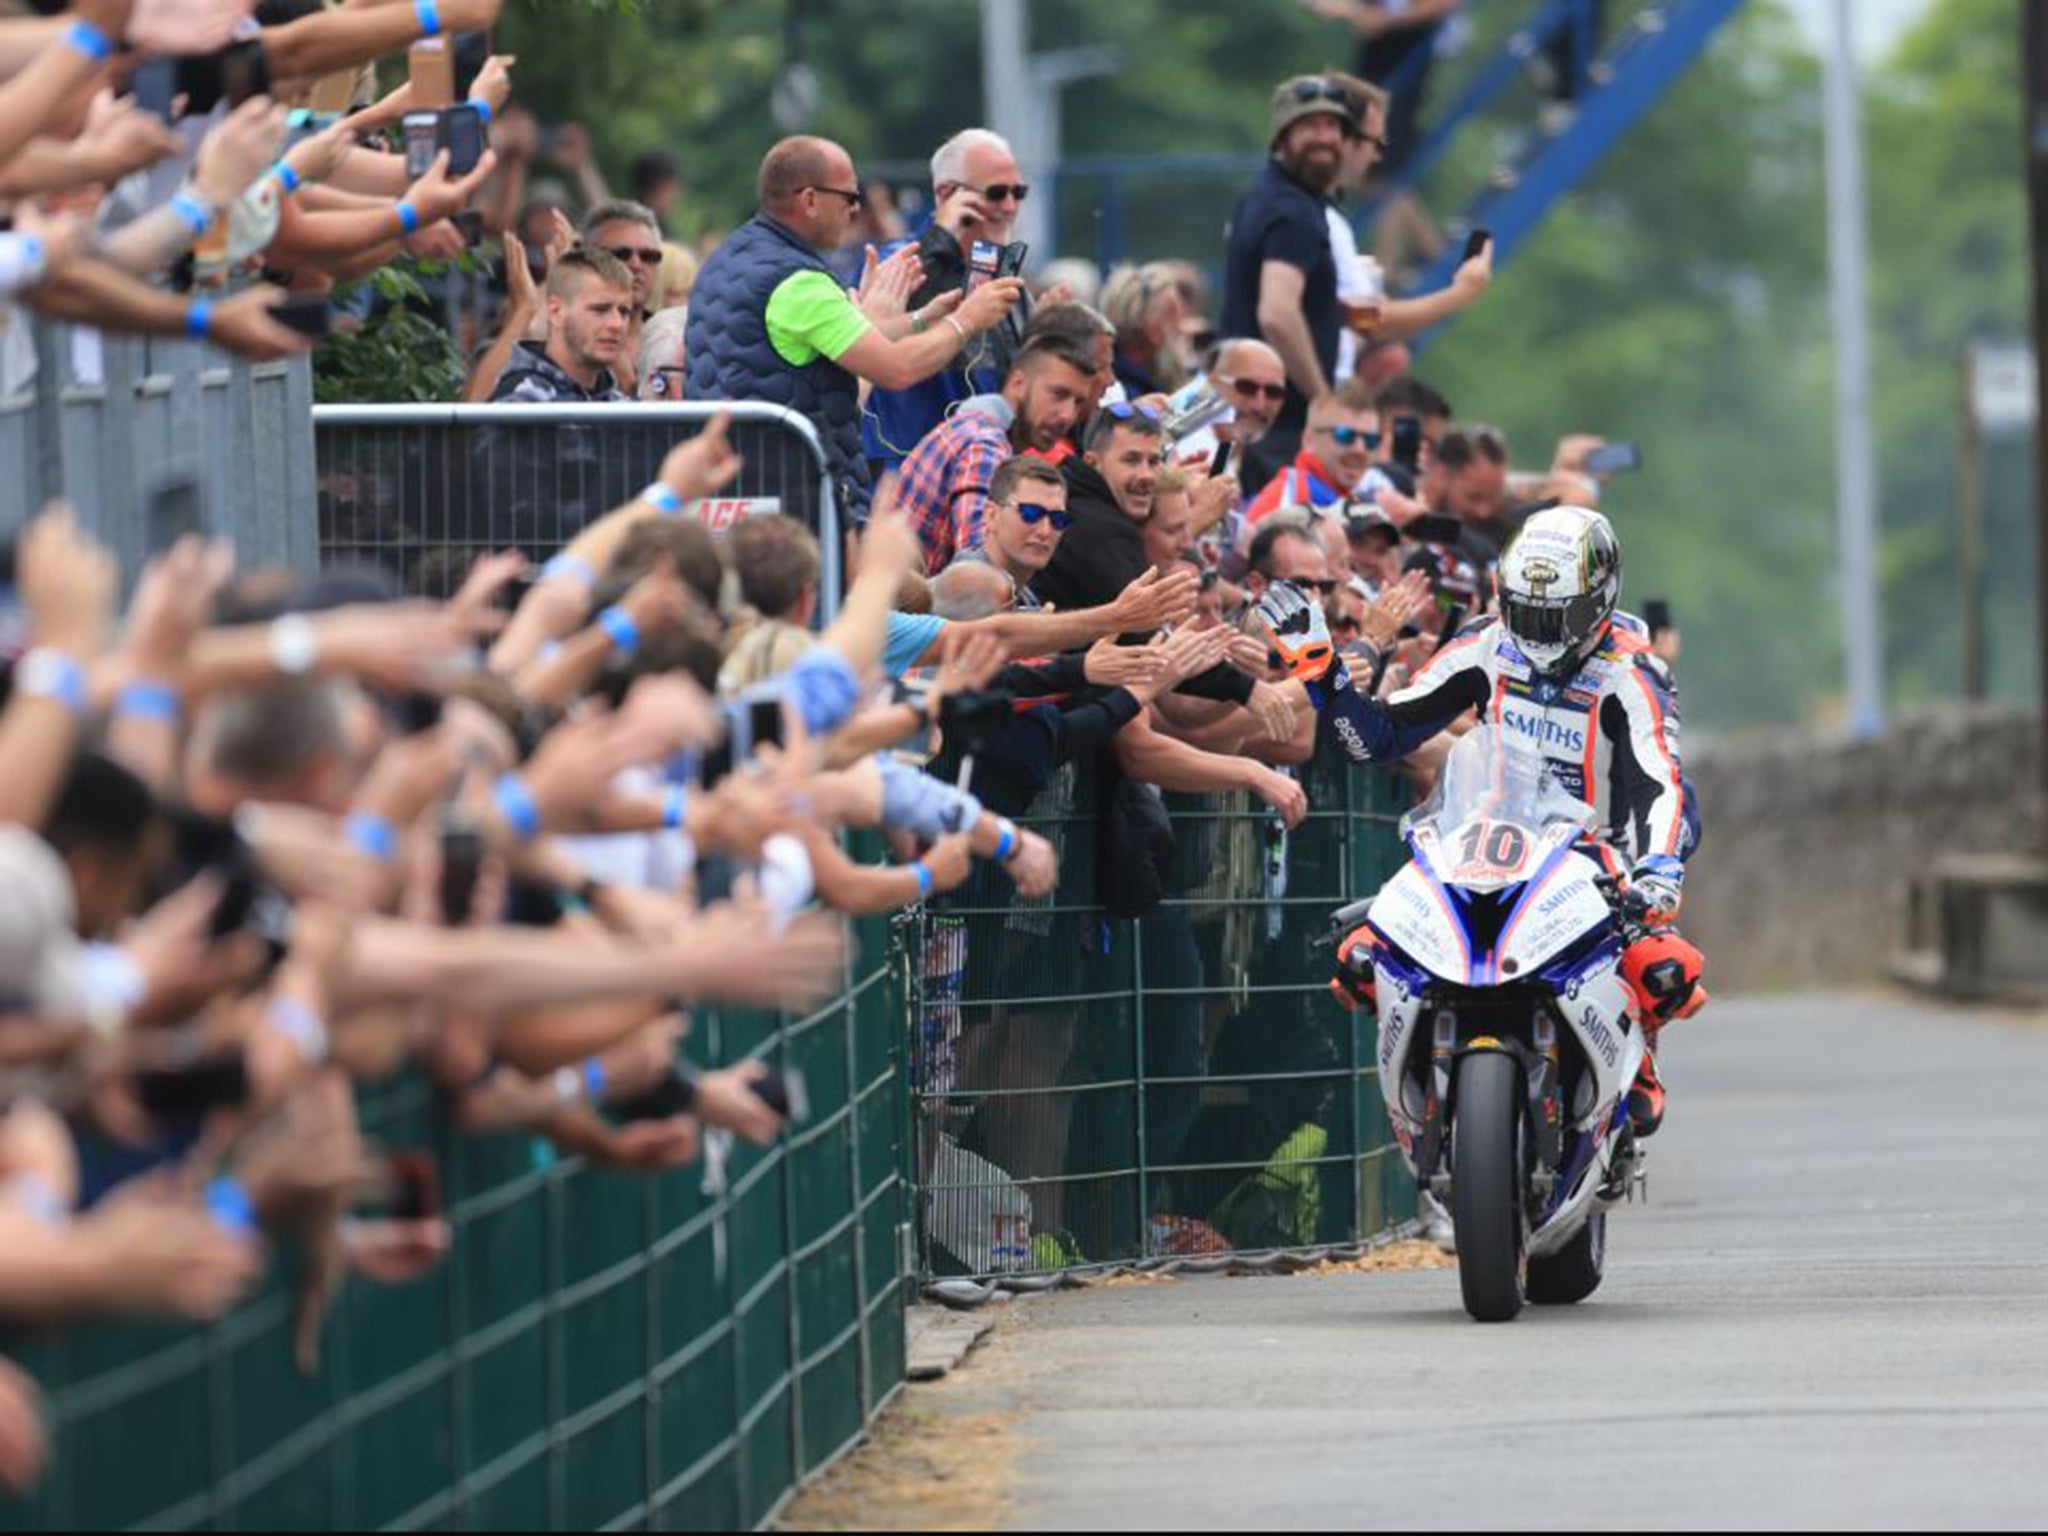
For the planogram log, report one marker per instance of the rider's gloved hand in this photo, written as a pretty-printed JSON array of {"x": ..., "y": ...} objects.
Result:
[
  {"x": 1655, "y": 891},
  {"x": 1295, "y": 625}
]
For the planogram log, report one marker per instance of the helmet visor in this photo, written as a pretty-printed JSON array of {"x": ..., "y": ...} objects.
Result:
[{"x": 1569, "y": 621}]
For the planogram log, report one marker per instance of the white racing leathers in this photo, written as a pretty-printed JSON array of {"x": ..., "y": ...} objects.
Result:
[{"x": 1611, "y": 729}]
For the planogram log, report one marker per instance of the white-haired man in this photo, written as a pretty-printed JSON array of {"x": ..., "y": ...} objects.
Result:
[{"x": 978, "y": 189}]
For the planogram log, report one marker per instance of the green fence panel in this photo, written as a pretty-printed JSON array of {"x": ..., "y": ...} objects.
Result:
[
  {"x": 1091, "y": 1092},
  {"x": 601, "y": 1351}
]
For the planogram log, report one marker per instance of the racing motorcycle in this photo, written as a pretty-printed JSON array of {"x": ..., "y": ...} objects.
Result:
[{"x": 1508, "y": 1038}]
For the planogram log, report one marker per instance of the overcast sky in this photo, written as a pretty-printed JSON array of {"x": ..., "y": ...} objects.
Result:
[{"x": 1878, "y": 22}]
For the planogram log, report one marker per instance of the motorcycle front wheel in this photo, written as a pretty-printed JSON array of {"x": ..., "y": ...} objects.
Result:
[{"x": 1487, "y": 1182}]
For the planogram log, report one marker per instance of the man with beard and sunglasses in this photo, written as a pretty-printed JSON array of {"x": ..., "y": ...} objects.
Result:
[{"x": 1280, "y": 276}]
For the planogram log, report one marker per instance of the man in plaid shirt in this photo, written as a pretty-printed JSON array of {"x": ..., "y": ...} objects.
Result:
[{"x": 945, "y": 482}]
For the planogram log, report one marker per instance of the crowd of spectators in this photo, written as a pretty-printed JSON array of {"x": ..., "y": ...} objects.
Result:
[{"x": 266, "y": 836}]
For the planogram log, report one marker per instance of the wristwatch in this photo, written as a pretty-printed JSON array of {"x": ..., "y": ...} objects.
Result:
[{"x": 920, "y": 322}]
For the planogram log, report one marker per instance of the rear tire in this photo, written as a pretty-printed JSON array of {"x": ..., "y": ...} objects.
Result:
[
  {"x": 1487, "y": 1185},
  {"x": 1573, "y": 1272}
]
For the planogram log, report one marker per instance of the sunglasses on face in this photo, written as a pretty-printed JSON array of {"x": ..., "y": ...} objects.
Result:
[
  {"x": 1253, "y": 389},
  {"x": 1033, "y": 514},
  {"x": 854, "y": 199},
  {"x": 1345, "y": 437},
  {"x": 1123, "y": 410},
  {"x": 646, "y": 256},
  {"x": 1321, "y": 587},
  {"x": 1000, "y": 193}
]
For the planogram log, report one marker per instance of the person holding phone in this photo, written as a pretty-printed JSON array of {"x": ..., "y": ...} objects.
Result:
[
  {"x": 978, "y": 191},
  {"x": 771, "y": 320}
]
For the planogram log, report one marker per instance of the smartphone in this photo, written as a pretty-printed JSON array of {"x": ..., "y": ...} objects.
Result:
[
  {"x": 463, "y": 135},
  {"x": 1476, "y": 242},
  {"x": 310, "y": 314},
  {"x": 154, "y": 88},
  {"x": 1657, "y": 615},
  {"x": 174, "y": 513},
  {"x": 462, "y": 862},
  {"x": 1406, "y": 448},
  {"x": 472, "y": 51},
  {"x": 1011, "y": 262},
  {"x": 984, "y": 258},
  {"x": 764, "y": 723},
  {"x": 1221, "y": 461},
  {"x": 244, "y": 71},
  {"x": 471, "y": 222},
  {"x": 422, "y": 132},
  {"x": 786, "y": 1093},
  {"x": 1614, "y": 459},
  {"x": 191, "y": 1092},
  {"x": 664, "y": 1101},
  {"x": 715, "y": 766}
]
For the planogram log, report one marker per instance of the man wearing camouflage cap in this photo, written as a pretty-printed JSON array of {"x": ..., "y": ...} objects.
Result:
[{"x": 1280, "y": 278}]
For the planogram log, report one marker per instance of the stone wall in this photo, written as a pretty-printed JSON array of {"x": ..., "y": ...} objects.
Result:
[{"x": 1811, "y": 843}]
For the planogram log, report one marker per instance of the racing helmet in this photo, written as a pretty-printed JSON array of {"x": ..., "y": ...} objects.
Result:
[{"x": 1560, "y": 582}]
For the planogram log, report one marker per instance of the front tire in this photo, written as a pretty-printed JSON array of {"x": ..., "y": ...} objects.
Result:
[
  {"x": 1487, "y": 1180},
  {"x": 1573, "y": 1272}
]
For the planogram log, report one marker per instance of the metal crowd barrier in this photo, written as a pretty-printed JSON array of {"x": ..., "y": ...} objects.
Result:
[
  {"x": 105, "y": 420},
  {"x": 1091, "y": 1092},
  {"x": 425, "y": 489},
  {"x": 601, "y": 1352}
]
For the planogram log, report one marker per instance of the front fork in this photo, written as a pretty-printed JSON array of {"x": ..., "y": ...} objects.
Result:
[{"x": 1540, "y": 1070}]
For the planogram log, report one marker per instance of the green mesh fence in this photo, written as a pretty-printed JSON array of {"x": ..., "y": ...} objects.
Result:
[
  {"x": 603, "y": 1351},
  {"x": 1092, "y": 1092}
]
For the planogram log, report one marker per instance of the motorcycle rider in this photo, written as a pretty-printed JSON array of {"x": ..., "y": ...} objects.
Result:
[{"x": 1566, "y": 671}]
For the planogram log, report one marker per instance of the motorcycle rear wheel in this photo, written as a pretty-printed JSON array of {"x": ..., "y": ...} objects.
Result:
[
  {"x": 1487, "y": 1185},
  {"x": 1573, "y": 1272}
]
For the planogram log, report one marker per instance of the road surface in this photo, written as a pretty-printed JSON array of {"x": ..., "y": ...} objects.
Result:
[{"x": 1833, "y": 1311}]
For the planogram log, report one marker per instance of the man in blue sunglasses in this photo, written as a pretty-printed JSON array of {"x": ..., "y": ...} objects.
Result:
[
  {"x": 1336, "y": 451},
  {"x": 1020, "y": 532}
]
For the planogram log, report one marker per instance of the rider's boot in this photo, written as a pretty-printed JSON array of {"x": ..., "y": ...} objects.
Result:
[{"x": 1646, "y": 1098}]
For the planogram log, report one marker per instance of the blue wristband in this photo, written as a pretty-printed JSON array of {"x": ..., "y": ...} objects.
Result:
[
  {"x": 150, "y": 701},
  {"x": 288, "y": 178},
  {"x": 663, "y": 499},
  {"x": 625, "y": 634},
  {"x": 409, "y": 216},
  {"x": 515, "y": 803},
  {"x": 52, "y": 675},
  {"x": 230, "y": 1207},
  {"x": 89, "y": 40},
  {"x": 675, "y": 808},
  {"x": 483, "y": 109},
  {"x": 373, "y": 835},
  {"x": 925, "y": 883},
  {"x": 192, "y": 213},
  {"x": 594, "y": 1080},
  {"x": 573, "y": 566},
  {"x": 1006, "y": 845},
  {"x": 430, "y": 17},
  {"x": 199, "y": 319}
]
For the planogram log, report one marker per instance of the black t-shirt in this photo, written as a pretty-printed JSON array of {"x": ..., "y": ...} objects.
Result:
[{"x": 1278, "y": 219}]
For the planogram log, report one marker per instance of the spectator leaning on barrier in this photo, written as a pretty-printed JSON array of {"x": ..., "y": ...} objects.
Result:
[
  {"x": 769, "y": 320},
  {"x": 1026, "y": 518},
  {"x": 945, "y": 482},
  {"x": 590, "y": 315},
  {"x": 1280, "y": 278},
  {"x": 977, "y": 191}
]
